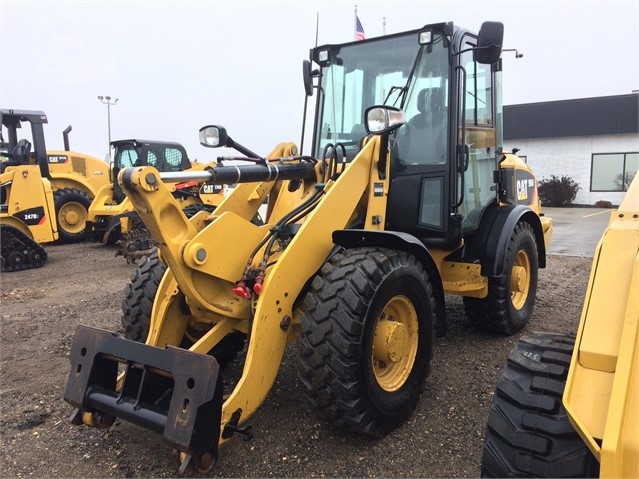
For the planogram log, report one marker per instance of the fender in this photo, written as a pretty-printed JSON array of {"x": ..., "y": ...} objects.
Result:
[
  {"x": 488, "y": 249},
  {"x": 356, "y": 238},
  {"x": 16, "y": 223},
  {"x": 61, "y": 181}
]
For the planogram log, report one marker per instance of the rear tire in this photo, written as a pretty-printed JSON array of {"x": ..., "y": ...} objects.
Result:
[
  {"x": 511, "y": 298},
  {"x": 137, "y": 305},
  {"x": 529, "y": 433},
  {"x": 72, "y": 211},
  {"x": 367, "y": 339}
]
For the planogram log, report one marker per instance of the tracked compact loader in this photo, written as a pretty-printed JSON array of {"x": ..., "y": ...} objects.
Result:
[
  {"x": 44, "y": 195},
  {"x": 75, "y": 177},
  {"x": 361, "y": 241}
]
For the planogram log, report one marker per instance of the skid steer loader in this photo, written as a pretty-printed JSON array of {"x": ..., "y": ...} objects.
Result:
[
  {"x": 112, "y": 218},
  {"x": 361, "y": 241},
  {"x": 75, "y": 177},
  {"x": 566, "y": 405}
]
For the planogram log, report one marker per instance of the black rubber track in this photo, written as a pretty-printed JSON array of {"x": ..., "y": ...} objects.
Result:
[
  {"x": 529, "y": 433},
  {"x": 61, "y": 198},
  {"x": 19, "y": 251},
  {"x": 137, "y": 305},
  {"x": 495, "y": 313},
  {"x": 338, "y": 316}
]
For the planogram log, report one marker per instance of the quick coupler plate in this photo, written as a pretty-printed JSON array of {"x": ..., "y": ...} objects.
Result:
[{"x": 171, "y": 391}]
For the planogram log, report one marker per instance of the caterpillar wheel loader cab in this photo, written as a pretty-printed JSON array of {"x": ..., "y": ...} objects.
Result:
[
  {"x": 75, "y": 177},
  {"x": 362, "y": 239},
  {"x": 568, "y": 405},
  {"x": 111, "y": 217}
]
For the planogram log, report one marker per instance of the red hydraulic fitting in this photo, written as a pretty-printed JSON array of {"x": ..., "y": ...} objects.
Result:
[
  {"x": 242, "y": 291},
  {"x": 257, "y": 287}
]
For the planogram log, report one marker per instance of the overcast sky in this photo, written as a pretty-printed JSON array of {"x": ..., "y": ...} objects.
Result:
[{"x": 178, "y": 65}]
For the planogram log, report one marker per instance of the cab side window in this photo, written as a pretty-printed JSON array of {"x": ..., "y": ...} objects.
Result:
[
  {"x": 128, "y": 157},
  {"x": 481, "y": 139},
  {"x": 173, "y": 159}
]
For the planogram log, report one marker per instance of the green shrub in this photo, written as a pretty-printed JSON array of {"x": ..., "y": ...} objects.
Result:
[
  {"x": 558, "y": 191},
  {"x": 603, "y": 204}
]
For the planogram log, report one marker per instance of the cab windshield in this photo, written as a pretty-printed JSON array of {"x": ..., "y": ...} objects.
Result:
[{"x": 389, "y": 70}]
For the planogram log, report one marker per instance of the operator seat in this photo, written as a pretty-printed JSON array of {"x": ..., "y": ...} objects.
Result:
[
  {"x": 18, "y": 156},
  {"x": 424, "y": 138}
]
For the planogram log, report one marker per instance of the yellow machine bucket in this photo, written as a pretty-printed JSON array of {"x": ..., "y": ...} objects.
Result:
[{"x": 602, "y": 390}]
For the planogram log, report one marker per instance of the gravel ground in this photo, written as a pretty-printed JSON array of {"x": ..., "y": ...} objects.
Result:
[{"x": 83, "y": 284}]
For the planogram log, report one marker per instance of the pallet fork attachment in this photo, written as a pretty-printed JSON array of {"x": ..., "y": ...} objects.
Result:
[{"x": 171, "y": 391}]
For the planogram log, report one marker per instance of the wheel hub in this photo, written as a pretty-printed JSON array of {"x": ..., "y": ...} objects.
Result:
[
  {"x": 391, "y": 340},
  {"x": 71, "y": 217},
  {"x": 519, "y": 279},
  {"x": 395, "y": 343}
]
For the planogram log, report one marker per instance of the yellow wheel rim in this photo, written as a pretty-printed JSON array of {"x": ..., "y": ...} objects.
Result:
[
  {"x": 395, "y": 343},
  {"x": 72, "y": 217},
  {"x": 520, "y": 280}
]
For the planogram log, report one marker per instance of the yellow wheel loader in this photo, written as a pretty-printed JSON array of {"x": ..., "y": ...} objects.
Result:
[
  {"x": 75, "y": 177},
  {"x": 112, "y": 218},
  {"x": 566, "y": 405},
  {"x": 361, "y": 241}
]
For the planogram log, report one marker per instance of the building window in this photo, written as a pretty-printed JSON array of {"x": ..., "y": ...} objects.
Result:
[{"x": 613, "y": 171}]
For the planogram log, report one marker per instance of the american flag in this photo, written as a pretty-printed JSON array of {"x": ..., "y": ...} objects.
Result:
[{"x": 359, "y": 29}]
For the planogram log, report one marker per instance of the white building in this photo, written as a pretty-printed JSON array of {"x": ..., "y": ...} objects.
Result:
[{"x": 594, "y": 141}]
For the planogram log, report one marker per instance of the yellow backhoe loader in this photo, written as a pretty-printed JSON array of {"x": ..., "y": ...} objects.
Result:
[
  {"x": 112, "y": 218},
  {"x": 362, "y": 239},
  {"x": 566, "y": 405}
]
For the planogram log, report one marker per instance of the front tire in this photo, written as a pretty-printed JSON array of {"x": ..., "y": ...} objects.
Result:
[
  {"x": 137, "y": 306},
  {"x": 367, "y": 339},
  {"x": 529, "y": 433},
  {"x": 139, "y": 295},
  {"x": 511, "y": 298},
  {"x": 72, "y": 211}
]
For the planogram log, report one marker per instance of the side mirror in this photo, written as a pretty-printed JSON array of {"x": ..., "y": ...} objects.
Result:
[
  {"x": 489, "y": 43},
  {"x": 213, "y": 136},
  {"x": 308, "y": 77},
  {"x": 383, "y": 119}
]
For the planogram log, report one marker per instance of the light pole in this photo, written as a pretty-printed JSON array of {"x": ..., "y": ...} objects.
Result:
[{"x": 107, "y": 100}]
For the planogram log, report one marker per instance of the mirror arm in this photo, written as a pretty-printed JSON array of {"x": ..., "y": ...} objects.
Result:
[
  {"x": 517, "y": 54},
  {"x": 245, "y": 151}
]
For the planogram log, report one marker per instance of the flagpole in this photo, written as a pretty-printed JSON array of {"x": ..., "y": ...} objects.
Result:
[
  {"x": 355, "y": 21},
  {"x": 359, "y": 29},
  {"x": 384, "y": 25}
]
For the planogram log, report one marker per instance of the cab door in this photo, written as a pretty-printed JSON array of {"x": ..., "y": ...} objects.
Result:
[
  {"x": 421, "y": 187},
  {"x": 478, "y": 127}
]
